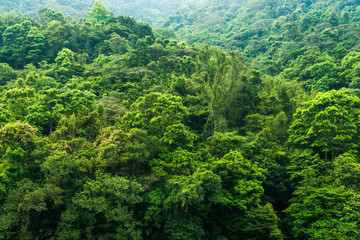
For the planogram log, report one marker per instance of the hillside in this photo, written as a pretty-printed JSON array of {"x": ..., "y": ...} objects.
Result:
[
  {"x": 108, "y": 130},
  {"x": 149, "y": 11},
  {"x": 109, "y": 133},
  {"x": 273, "y": 35}
]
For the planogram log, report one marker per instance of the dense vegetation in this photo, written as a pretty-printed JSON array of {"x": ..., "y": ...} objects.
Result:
[
  {"x": 301, "y": 39},
  {"x": 110, "y": 131},
  {"x": 144, "y": 10}
]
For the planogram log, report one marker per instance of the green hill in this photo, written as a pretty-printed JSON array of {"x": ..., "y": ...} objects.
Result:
[
  {"x": 149, "y": 11},
  {"x": 271, "y": 34},
  {"x": 108, "y": 130}
]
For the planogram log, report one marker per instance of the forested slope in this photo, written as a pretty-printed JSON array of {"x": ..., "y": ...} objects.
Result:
[
  {"x": 149, "y": 11},
  {"x": 108, "y": 132},
  {"x": 30, "y": 8},
  {"x": 287, "y": 37}
]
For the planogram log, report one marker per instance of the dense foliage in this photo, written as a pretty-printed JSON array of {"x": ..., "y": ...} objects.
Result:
[
  {"x": 144, "y": 10},
  {"x": 301, "y": 39},
  {"x": 110, "y": 131}
]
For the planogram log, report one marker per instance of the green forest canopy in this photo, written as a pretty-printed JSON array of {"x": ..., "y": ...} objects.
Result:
[
  {"x": 144, "y": 10},
  {"x": 274, "y": 35},
  {"x": 108, "y": 130}
]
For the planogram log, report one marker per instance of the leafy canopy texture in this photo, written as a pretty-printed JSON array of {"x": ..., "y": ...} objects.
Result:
[
  {"x": 328, "y": 124},
  {"x": 109, "y": 130}
]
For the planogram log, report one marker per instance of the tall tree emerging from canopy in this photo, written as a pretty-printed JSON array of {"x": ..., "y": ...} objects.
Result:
[
  {"x": 99, "y": 13},
  {"x": 328, "y": 124},
  {"x": 222, "y": 75}
]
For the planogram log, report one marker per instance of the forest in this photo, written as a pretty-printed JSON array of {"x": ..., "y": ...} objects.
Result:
[
  {"x": 149, "y": 11},
  {"x": 111, "y": 128}
]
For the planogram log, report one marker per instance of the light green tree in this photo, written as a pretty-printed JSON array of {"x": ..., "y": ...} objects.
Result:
[{"x": 328, "y": 124}]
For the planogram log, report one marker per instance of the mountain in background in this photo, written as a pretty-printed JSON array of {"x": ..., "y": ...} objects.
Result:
[
  {"x": 75, "y": 9},
  {"x": 271, "y": 33},
  {"x": 149, "y": 11},
  {"x": 228, "y": 20}
]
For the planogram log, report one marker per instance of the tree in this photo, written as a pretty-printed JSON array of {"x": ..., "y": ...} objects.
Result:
[
  {"x": 347, "y": 172},
  {"x": 187, "y": 65},
  {"x": 14, "y": 39},
  {"x": 18, "y": 135},
  {"x": 155, "y": 112},
  {"x": 99, "y": 13},
  {"x": 102, "y": 210},
  {"x": 221, "y": 75},
  {"x": 324, "y": 213},
  {"x": 66, "y": 66},
  {"x": 7, "y": 73},
  {"x": 58, "y": 37},
  {"x": 241, "y": 181},
  {"x": 261, "y": 223},
  {"x": 328, "y": 124},
  {"x": 181, "y": 204},
  {"x": 25, "y": 215},
  {"x": 126, "y": 153},
  {"x": 18, "y": 99},
  {"x": 141, "y": 54},
  {"x": 48, "y": 111},
  {"x": 47, "y": 15},
  {"x": 117, "y": 44},
  {"x": 35, "y": 45}
]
